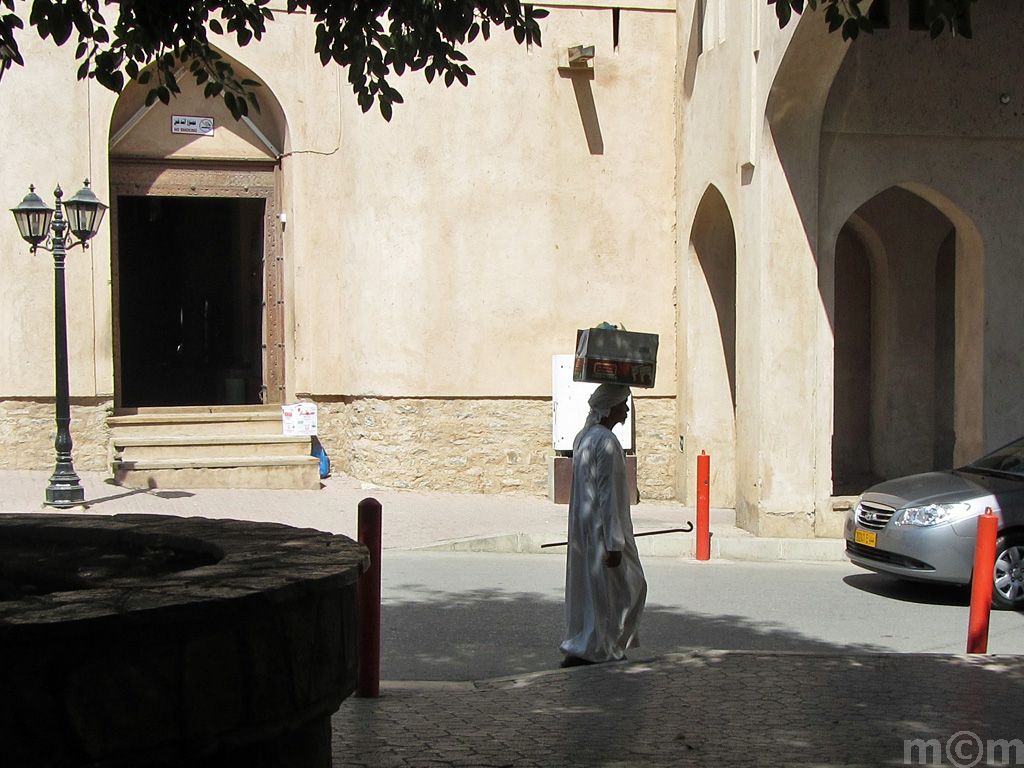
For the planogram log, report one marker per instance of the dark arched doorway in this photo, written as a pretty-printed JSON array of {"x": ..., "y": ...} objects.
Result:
[{"x": 895, "y": 332}]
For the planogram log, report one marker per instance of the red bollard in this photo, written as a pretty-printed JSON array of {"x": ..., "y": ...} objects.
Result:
[
  {"x": 368, "y": 602},
  {"x": 703, "y": 507},
  {"x": 981, "y": 584}
]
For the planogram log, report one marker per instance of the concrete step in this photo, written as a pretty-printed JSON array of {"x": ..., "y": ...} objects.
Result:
[
  {"x": 235, "y": 422},
  {"x": 198, "y": 409},
  {"x": 218, "y": 446},
  {"x": 273, "y": 472},
  {"x": 151, "y": 447}
]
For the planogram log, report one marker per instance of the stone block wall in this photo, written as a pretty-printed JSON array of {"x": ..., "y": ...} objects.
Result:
[
  {"x": 466, "y": 445},
  {"x": 27, "y": 431},
  {"x": 657, "y": 447},
  {"x": 474, "y": 445}
]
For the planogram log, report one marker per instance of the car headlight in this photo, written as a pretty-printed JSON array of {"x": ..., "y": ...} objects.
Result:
[{"x": 933, "y": 514}]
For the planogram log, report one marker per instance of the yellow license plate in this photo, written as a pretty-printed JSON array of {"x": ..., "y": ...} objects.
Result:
[{"x": 867, "y": 538}]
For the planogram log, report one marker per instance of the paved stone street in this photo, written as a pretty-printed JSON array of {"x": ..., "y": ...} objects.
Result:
[{"x": 708, "y": 708}]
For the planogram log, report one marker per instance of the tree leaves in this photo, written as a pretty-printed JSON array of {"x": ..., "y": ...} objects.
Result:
[
  {"x": 375, "y": 39},
  {"x": 851, "y": 19},
  {"x": 153, "y": 41}
]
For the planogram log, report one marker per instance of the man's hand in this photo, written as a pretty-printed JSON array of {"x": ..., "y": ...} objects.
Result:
[{"x": 612, "y": 559}]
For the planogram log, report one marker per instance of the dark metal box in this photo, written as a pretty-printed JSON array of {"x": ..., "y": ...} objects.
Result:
[{"x": 619, "y": 357}]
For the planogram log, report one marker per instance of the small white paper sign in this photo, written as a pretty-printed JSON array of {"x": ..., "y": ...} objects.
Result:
[
  {"x": 299, "y": 419},
  {"x": 198, "y": 126}
]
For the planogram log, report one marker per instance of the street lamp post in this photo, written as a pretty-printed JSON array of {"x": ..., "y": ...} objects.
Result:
[{"x": 46, "y": 228}]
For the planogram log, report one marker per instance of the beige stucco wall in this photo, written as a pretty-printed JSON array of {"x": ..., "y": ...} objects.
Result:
[
  {"x": 442, "y": 256},
  {"x": 456, "y": 248},
  {"x": 726, "y": 144},
  {"x": 53, "y": 133}
]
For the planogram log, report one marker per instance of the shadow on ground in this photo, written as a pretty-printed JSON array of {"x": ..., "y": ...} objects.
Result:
[
  {"x": 703, "y": 709},
  {"x": 910, "y": 591},
  {"x": 487, "y": 633}
]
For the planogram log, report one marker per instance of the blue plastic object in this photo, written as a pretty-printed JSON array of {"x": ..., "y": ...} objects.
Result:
[{"x": 325, "y": 461}]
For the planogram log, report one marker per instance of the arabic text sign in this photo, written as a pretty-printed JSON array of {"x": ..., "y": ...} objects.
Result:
[{"x": 199, "y": 126}]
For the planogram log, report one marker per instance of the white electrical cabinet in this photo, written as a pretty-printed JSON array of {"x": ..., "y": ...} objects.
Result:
[{"x": 569, "y": 407}]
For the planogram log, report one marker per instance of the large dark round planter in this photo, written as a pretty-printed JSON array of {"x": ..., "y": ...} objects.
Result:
[{"x": 149, "y": 640}]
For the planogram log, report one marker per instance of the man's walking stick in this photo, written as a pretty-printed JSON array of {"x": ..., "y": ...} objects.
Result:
[{"x": 635, "y": 535}]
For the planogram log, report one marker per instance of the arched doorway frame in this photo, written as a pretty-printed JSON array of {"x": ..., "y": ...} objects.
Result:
[{"x": 247, "y": 169}]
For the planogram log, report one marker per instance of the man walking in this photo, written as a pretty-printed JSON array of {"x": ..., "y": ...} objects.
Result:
[{"x": 605, "y": 589}]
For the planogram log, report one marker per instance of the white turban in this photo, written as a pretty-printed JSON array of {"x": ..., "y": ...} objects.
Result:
[{"x": 605, "y": 397}]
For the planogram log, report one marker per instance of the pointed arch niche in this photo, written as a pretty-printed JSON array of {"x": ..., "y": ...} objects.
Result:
[
  {"x": 908, "y": 322},
  {"x": 709, "y": 371},
  {"x": 197, "y": 288}
]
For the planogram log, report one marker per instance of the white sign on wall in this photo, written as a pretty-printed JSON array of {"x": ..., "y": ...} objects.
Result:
[
  {"x": 198, "y": 126},
  {"x": 569, "y": 408},
  {"x": 299, "y": 419}
]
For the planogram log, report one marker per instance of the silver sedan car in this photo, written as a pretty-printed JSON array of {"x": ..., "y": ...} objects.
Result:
[{"x": 923, "y": 527}]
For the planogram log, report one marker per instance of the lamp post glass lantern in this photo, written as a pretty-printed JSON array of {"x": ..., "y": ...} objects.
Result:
[{"x": 47, "y": 228}]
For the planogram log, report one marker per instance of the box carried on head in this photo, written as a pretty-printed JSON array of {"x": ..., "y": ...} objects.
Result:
[{"x": 606, "y": 354}]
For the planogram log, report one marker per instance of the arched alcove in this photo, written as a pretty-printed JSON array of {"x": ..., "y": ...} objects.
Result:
[{"x": 710, "y": 329}]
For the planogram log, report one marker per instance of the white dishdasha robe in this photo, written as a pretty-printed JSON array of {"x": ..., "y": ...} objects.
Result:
[{"x": 603, "y": 605}]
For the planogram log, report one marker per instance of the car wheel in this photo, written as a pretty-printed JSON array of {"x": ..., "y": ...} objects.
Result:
[{"x": 1008, "y": 578}]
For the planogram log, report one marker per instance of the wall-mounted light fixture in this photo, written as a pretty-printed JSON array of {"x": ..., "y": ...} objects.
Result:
[
  {"x": 580, "y": 55},
  {"x": 581, "y": 73}
]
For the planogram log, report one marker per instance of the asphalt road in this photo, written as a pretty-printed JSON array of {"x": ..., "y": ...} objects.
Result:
[{"x": 467, "y": 616}]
